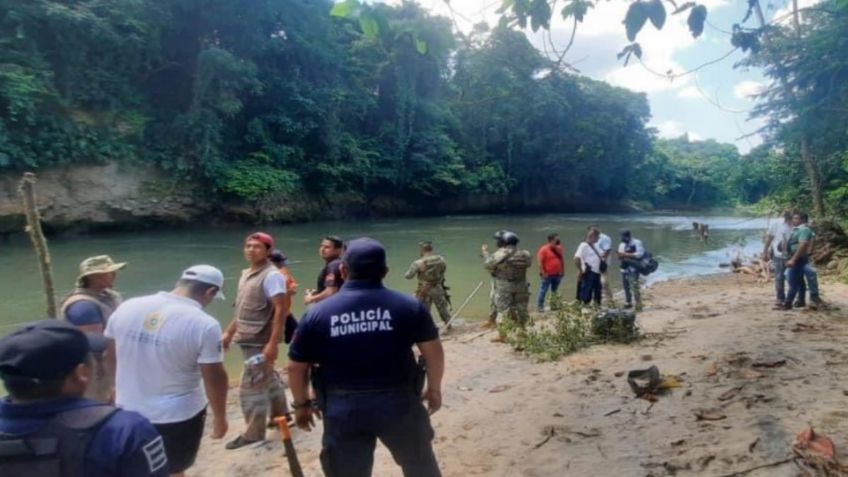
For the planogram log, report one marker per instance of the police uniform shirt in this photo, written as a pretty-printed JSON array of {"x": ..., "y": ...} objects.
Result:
[
  {"x": 125, "y": 445},
  {"x": 362, "y": 336},
  {"x": 330, "y": 275}
]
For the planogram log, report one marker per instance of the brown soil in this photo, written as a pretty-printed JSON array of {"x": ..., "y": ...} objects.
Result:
[{"x": 755, "y": 377}]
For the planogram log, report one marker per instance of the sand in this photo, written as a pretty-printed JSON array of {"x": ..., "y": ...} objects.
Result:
[{"x": 507, "y": 415}]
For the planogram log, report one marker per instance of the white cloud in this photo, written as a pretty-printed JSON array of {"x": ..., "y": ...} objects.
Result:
[
  {"x": 689, "y": 92},
  {"x": 674, "y": 129},
  {"x": 746, "y": 89}
]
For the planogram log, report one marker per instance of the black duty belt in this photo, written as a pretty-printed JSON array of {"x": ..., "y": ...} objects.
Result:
[{"x": 343, "y": 391}]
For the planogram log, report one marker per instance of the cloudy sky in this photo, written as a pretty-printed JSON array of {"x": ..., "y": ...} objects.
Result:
[{"x": 712, "y": 103}]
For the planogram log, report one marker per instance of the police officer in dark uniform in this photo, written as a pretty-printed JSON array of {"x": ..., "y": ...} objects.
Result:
[
  {"x": 357, "y": 345},
  {"x": 47, "y": 428}
]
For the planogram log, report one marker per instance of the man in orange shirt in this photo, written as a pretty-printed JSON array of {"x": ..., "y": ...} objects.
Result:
[{"x": 551, "y": 268}]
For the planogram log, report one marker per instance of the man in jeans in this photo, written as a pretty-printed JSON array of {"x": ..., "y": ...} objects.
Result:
[
  {"x": 604, "y": 246},
  {"x": 775, "y": 246},
  {"x": 551, "y": 267},
  {"x": 798, "y": 248}
]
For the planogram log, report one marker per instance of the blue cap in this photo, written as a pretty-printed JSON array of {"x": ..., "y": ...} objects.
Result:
[
  {"x": 365, "y": 255},
  {"x": 45, "y": 350}
]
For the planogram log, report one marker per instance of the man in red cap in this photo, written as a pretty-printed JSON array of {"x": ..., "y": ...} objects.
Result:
[{"x": 257, "y": 327}]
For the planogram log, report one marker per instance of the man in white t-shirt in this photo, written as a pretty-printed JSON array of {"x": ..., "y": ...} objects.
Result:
[
  {"x": 588, "y": 260},
  {"x": 774, "y": 249},
  {"x": 165, "y": 346},
  {"x": 604, "y": 246}
]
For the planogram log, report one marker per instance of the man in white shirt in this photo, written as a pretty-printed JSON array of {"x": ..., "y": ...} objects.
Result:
[
  {"x": 589, "y": 263},
  {"x": 774, "y": 249},
  {"x": 630, "y": 250},
  {"x": 605, "y": 247},
  {"x": 165, "y": 346}
]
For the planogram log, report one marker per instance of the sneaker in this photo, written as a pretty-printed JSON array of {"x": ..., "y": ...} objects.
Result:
[
  {"x": 239, "y": 442},
  {"x": 799, "y": 304},
  {"x": 628, "y": 305},
  {"x": 782, "y": 307}
]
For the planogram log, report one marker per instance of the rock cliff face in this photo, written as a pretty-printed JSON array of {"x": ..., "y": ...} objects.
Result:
[
  {"x": 122, "y": 196},
  {"x": 94, "y": 197}
]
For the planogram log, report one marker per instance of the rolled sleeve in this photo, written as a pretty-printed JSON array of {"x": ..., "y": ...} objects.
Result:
[
  {"x": 211, "y": 349},
  {"x": 274, "y": 284},
  {"x": 304, "y": 346}
]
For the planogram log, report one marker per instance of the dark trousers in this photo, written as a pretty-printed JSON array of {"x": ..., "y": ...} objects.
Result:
[
  {"x": 796, "y": 280},
  {"x": 590, "y": 288},
  {"x": 354, "y": 422}
]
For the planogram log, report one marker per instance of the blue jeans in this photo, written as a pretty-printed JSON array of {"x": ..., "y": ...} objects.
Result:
[
  {"x": 796, "y": 281},
  {"x": 550, "y": 281},
  {"x": 812, "y": 281},
  {"x": 779, "y": 278},
  {"x": 354, "y": 422}
]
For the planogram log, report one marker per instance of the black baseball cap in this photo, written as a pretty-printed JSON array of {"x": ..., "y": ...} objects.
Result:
[
  {"x": 365, "y": 255},
  {"x": 45, "y": 350}
]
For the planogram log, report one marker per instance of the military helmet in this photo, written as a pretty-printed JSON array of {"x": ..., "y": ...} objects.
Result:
[{"x": 510, "y": 238}]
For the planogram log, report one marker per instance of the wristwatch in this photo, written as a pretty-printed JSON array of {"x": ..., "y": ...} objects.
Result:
[{"x": 301, "y": 405}]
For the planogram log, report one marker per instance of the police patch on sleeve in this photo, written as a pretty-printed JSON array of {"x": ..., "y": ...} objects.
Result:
[{"x": 154, "y": 452}]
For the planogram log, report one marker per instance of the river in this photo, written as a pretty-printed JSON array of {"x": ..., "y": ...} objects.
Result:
[{"x": 157, "y": 257}]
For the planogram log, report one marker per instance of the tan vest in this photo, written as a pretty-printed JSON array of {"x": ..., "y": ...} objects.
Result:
[
  {"x": 107, "y": 301},
  {"x": 101, "y": 383},
  {"x": 254, "y": 310}
]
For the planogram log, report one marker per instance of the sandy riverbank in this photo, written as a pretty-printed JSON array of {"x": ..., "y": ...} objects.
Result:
[{"x": 505, "y": 415}]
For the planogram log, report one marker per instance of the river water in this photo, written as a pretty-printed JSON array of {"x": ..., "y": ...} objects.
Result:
[{"x": 156, "y": 258}]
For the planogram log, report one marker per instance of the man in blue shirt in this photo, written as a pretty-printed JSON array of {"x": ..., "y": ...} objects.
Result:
[
  {"x": 369, "y": 386},
  {"x": 44, "y": 367}
]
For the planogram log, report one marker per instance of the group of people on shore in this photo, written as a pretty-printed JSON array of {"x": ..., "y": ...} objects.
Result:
[
  {"x": 159, "y": 360},
  {"x": 788, "y": 245}
]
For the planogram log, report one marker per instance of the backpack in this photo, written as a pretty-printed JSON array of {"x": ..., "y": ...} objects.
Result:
[{"x": 56, "y": 449}]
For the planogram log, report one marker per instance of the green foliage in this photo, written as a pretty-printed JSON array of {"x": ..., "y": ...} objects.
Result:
[
  {"x": 569, "y": 330},
  {"x": 255, "y": 178}
]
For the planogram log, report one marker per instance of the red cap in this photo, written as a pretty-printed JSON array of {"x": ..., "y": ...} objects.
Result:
[{"x": 266, "y": 239}]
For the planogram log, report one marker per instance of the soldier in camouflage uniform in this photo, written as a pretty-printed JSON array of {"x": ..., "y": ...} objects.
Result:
[
  {"x": 430, "y": 270},
  {"x": 508, "y": 266}
]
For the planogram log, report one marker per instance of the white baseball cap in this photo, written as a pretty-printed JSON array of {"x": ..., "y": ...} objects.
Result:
[{"x": 206, "y": 274}]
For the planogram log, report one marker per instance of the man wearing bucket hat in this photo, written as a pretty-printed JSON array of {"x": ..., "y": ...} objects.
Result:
[
  {"x": 89, "y": 306},
  {"x": 168, "y": 352},
  {"x": 48, "y": 429},
  {"x": 92, "y": 300}
]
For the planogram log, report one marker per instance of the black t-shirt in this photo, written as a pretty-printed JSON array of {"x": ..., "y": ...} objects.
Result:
[
  {"x": 362, "y": 336},
  {"x": 330, "y": 275}
]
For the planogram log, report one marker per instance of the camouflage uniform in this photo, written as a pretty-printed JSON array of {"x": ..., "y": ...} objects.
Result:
[
  {"x": 508, "y": 266},
  {"x": 430, "y": 270}
]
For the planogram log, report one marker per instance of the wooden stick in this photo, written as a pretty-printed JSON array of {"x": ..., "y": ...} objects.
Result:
[
  {"x": 291, "y": 454},
  {"x": 27, "y": 191},
  {"x": 751, "y": 469}
]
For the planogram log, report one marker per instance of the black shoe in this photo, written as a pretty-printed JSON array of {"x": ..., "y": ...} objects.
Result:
[
  {"x": 783, "y": 307},
  {"x": 628, "y": 305},
  {"x": 239, "y": 442},
  {"x": 800, "y": 304}
]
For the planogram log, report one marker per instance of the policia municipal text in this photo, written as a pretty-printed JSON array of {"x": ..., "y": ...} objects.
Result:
[{"x": 366, "y": 381}]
